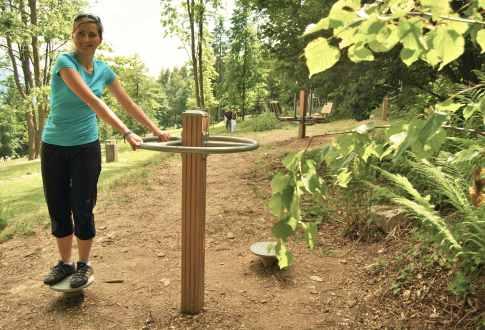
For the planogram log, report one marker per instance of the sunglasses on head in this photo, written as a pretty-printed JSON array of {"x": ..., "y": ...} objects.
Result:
[{"x": 89, "y": 16}]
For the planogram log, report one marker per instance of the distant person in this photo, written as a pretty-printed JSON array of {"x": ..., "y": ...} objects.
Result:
[
  {"x": 228, "y": 117},
  {"x": 233, "y": 122},
  {"x": 71, "y": 153}
]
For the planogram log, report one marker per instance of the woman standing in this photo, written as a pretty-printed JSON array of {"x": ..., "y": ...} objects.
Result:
[{"x": 71, "y": 153}]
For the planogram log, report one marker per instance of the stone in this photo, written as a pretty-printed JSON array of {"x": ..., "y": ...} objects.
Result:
[{"x": 388, "y": 217}]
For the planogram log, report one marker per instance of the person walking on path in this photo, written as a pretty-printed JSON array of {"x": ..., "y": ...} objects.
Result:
[
  {"x": 228, "y": 116},
  {"x": 71, "y": 153}
]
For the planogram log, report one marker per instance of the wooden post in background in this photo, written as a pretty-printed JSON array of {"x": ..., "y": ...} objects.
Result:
[
  {"x": 303, "y": 110},
  {"x": 194, "y": 166},
  {"x": 111, "y": 151},
  {"x": 385, "y": 108}
]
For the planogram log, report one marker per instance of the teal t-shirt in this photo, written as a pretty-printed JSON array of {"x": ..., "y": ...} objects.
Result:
[{"x": 71, "y": 122}]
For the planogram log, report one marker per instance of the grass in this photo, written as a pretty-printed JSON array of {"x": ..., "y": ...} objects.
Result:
[{"x": 22, "y": 200}]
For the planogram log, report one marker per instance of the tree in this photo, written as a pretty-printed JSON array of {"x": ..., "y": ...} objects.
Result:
[
  {"x": 190, "y": 15},
  {"x": 243, "y": 70},
  {"x": 32, "y": 32}
]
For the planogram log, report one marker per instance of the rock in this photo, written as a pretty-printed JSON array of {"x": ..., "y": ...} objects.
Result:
[
  {"x": 387, "y": 217},
  {"x": 316, "y": 278},
  {"x": 161, "y": 255},
  {"x": 165, "y": 281},
  {"x": 343, "y": 262},
  {"x": 230, "y": 235}
]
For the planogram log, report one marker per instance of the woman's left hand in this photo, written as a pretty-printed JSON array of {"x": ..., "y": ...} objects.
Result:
[{"x": 162, "y": 136}]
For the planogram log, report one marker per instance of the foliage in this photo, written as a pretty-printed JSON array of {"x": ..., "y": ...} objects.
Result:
[
  {"x": 32, "y": 33},
  {"x": 426, "y": 30},
  {"x": 243, "y": 74},
  {"x": 263, "y": 122}
]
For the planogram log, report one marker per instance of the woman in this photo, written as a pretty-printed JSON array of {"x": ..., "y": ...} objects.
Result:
[{"x": 71, "y": 156}]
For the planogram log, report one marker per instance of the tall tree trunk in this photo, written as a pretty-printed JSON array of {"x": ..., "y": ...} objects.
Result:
[
  {"x": 199, "y": 51},
  {"x": 190, "y": 11}
]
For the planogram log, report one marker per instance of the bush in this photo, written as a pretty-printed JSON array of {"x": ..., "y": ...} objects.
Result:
[{"x": 264, "y": 122}]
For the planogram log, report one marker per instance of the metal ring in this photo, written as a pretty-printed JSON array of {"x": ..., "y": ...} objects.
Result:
[{"x": 211, "y": 145}]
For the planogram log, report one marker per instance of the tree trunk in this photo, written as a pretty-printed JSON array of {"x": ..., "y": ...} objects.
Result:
[
  {"x": 190, "y": 11},
  {"x": 200, "y": 45}
]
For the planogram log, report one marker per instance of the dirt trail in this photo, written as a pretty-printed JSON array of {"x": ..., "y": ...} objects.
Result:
[{"x": 139, "y": 243}]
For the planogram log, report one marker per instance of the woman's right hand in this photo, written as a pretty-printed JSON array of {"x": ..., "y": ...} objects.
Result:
[{"x": 134, "y": 140}]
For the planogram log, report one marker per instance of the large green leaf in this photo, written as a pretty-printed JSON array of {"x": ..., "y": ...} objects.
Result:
[
  {"x": 449, "y": 44},
  {"x": 320, "y": 56},
  {"x": 280, "y": 182},
  {"x": 281, "y": 230},
  {"x": 360, "y": 54},
  {"x": 481, "y": 39},
  {"x": 438, "y": 8}
]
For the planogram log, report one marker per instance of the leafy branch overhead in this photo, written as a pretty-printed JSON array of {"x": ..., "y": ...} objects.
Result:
[{"x": 428, "y": 30}]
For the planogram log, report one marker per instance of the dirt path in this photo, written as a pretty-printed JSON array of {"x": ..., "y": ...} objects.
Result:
[{"x": 139, "y": 243}]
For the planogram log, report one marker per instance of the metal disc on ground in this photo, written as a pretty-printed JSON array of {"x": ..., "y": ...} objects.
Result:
[
  {"x": 266, "y": 251},
  {"x": 65, "y": 285}
]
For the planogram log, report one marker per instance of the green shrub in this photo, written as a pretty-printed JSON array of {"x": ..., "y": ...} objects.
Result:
[{"x": 263, "y": 122}]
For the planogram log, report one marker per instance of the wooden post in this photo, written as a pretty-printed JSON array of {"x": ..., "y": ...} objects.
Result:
[
  {"x": 303, "y": 110},
  {"x": 195, "y": 124},
  {"x": 385, "y": 108},
  {"x": 111, "y": 151}
]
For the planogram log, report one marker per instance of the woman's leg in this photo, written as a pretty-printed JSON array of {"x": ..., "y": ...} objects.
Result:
[
  {"x": 64, "y": 245},
  {"x": 85, "y": 170}
]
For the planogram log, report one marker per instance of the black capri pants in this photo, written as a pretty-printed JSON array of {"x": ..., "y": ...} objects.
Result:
[{"x": 70, "y": 177}]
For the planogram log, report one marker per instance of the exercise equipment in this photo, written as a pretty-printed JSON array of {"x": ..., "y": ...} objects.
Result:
[{"x": 195, "y": 145}]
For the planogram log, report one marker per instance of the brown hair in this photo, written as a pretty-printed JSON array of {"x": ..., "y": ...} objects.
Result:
[{"x": 88, "y": 18}]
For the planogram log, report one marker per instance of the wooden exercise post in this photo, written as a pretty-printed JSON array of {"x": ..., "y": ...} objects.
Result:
[
  {"x": 194, "y": 172},
  {"x": 303, "y": 111}
]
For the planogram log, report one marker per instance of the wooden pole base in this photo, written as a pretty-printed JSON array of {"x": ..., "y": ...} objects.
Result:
[{"x": 194, "y": 172}]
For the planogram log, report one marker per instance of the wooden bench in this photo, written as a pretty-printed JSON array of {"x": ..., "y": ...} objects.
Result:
[{"x": 324, "y": 113}]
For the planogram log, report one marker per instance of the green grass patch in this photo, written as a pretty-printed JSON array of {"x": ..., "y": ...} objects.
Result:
[{"x": 23, "y": 205}]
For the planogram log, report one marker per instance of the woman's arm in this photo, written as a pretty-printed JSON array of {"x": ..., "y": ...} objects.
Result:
[
  {"x": 77, "y": 85},
  {"x": 134, "y": 110}
]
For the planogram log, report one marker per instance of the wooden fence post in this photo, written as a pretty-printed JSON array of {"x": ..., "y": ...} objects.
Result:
[
  {"x": 111, "y": 150},
  {"x": 385, "y": 108},
  {"x": 303, "y": 111},
  {"x": 194, "y": 171}
]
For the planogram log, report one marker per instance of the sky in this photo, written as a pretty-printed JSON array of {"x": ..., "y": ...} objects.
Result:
[{"x": 133, "y": 27}]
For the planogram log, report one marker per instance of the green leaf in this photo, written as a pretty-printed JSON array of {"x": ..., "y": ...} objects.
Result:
[
  {"x": 360, "y": 54},
  {"x": 292, "y": 161},
  {"x": 348, "y": 37},
  {"x": 292, "y": 222},
  {"x": 281, "y": 230},
  {"x": 438, "y": 8},
  {"x": 449, "y": 44},
  {"x": 481, "y": 3},
  {"x": 320, "y": 56},
  {"x": 280, "y": 182},
  {"x": 470, "y": 109},
  {"x": 322, "y": 24},
  {"x": 409, "y": 56},
  {"x": 310, "y": 230},
  {"x": 401, "y": 8},
  {"x": 387, "y": 38},
  {"x": 448, "y": 106},
  {"x": 340, "y": 15},
  {"x": 411, "y": 33},
  {"x": 276, "y": 206},
  {"x": 481, "y": 39},
  {"x": 343, "y": 178},
  {"x": 285, "y": 258}
]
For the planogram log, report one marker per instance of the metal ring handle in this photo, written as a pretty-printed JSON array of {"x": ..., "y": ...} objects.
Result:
[{"x": 211, "y": 145}]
